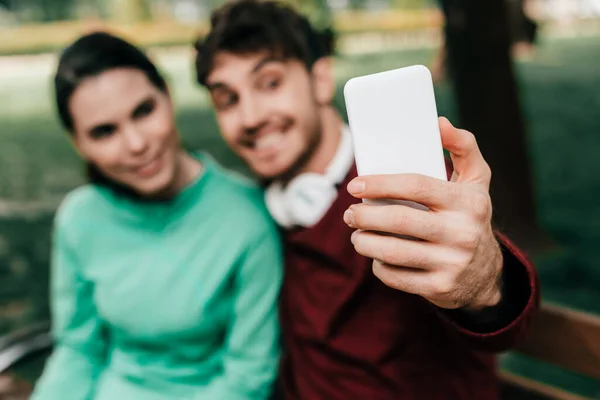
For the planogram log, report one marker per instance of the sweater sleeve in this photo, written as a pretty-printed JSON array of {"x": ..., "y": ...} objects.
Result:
[
  {"x": 500, "y": 327},
  {"x": 79, "y": 354},
  {"x": 252, "y": 346}
]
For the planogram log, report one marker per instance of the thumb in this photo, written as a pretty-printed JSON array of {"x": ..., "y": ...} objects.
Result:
[{"x": 469, "y": 164}]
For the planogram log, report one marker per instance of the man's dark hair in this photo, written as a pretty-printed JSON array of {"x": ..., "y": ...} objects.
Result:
[{"x": 252, "y": 26}]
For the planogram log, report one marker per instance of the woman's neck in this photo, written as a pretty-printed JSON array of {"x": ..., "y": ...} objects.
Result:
[{"x": 187, "y": 169}]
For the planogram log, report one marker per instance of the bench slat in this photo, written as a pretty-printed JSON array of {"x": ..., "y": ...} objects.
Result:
[
  {"x": 520, "y": 388},
  {"x": 567, "y": 338}
]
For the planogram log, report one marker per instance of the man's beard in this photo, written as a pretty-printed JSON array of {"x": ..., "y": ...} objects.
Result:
[{"x": 314, "y": 140}]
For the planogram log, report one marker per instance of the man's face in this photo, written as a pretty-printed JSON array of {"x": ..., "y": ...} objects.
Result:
[{"x": 267, "y": 110}]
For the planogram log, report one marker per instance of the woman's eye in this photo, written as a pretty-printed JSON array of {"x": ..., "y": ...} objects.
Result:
[
  {"x": 144, "y": 109},
  {"x": 102, "y": 131}
]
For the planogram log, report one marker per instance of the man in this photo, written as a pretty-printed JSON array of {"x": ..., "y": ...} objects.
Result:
[{"x": 424, "y": 319}]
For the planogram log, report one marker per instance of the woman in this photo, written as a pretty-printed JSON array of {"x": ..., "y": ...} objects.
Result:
[{"x": 165, "y": 269}]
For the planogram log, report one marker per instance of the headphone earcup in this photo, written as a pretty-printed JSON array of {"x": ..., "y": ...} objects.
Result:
[
  {"x": 276, "y": 204},
  {"x": 308, "y": 197}
]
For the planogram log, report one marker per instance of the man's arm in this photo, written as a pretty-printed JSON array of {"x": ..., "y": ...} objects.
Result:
[
  {"x": 499, "y": 327},
  {"x": 485, "y": 288}
]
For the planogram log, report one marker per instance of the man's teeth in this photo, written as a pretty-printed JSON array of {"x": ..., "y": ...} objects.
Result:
[{"x": 269, "y": 139}]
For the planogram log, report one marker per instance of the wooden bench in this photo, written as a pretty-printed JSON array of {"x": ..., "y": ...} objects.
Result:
[
  {"x": 559, "y": 336},
  {"x": 562, "y": 337},
  {"x": 18, "y": 349}
]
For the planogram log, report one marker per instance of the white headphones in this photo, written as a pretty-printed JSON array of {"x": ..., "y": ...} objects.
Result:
[{"x": 307, "y": 197}]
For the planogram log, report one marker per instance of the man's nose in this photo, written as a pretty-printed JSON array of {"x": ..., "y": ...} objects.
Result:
[{"x": 251, "y": 117}]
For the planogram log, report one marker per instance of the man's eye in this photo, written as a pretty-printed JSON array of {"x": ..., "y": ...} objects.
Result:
[
  {"x": 274, "y": 83},
  {"x": 223, "y": 102},
  {"x": 270, "y": 83}
]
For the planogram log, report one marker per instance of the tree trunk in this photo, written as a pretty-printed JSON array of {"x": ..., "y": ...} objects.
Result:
[{"x": 480, "y": 67}]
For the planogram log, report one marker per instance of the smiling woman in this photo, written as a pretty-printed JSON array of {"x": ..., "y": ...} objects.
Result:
[
  {"x": 158, "y": 292},
  {"x": 121, "y": 119}
]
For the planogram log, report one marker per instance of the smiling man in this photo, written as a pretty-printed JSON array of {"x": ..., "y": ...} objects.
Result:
[{"x": 425, "y": 319}]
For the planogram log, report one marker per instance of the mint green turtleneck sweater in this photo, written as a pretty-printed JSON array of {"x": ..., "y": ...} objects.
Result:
[{"x": 173, "y": 300}]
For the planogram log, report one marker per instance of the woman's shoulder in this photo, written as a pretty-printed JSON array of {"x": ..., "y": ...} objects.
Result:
[
  {"x": 81, "y": 205},
  {"x": 233, "y": 183},
  {"x": 246, "y": 193},
  {"x": 242, "y": 199},
  {"x": 242, "y": 185}
]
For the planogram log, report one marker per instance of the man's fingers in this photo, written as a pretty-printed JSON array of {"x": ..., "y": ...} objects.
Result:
[
  {"x": 409, "y": 280},
  {"x": 430, "y": 192},
  {"x": 469, "y": 164},
  {"x": 400, "y": 220},
  {"x": 395, "y": 251}
]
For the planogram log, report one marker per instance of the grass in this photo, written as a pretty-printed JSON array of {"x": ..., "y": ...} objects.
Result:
[{"x": 560, "y": 90}]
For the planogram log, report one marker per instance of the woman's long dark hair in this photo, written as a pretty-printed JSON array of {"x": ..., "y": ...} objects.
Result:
[{"x": 90, "y": 56}]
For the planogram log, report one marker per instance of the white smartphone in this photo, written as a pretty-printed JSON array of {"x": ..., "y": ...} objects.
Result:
[{"x": 394, "y": 125}]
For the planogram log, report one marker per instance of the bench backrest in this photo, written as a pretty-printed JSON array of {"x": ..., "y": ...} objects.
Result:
[{"x": 566, "y": 338}]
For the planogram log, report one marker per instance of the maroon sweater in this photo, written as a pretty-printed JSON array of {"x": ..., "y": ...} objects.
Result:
[{"x": 348, "y": 336}]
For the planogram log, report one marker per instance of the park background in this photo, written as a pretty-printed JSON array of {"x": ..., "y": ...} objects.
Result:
[{"x": 559, "y": 92}]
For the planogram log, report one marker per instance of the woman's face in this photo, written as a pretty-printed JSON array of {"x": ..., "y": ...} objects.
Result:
[{"x": 125, "y": 126}]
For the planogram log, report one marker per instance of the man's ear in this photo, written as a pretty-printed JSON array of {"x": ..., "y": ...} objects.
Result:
[{"x": 323, "y": 80}]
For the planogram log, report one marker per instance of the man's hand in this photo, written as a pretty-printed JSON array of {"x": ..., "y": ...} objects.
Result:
[{"x": 457, "y": 263}]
